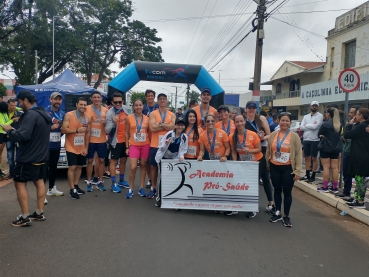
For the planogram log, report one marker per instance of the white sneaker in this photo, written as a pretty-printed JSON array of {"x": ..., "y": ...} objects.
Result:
[
  {"x": 45, "y": 201},
  {"x": 54, "y": 192}
]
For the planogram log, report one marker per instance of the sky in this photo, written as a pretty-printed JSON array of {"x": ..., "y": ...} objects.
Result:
[{"x": 197, "y": 31}]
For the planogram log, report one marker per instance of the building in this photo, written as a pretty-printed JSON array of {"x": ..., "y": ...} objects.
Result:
[
  {"x": 297, "y": 83},
  {"x": 239, "y": 100},
  {"x": 9, "y": 84}
]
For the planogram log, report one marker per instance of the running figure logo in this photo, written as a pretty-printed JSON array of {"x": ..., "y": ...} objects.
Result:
[
  {"x": 178, "y": 73},
  {"x": 182, "y": 167}
]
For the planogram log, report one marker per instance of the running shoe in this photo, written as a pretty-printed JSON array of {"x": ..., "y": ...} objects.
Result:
[
  {"x": 311, "y": 180},
  {"x": 129, "y": 194},
  {"x": 158, "y": 204},
  {"x": 22, "y": 222},
  {"x": 38, "y": 217},
  {"x": 106, "y": 175},
  {"x": 123, "y": 184},
  {"x": 356, "y": 204},
  {"x": 79, "y": 190},
  {"x": 250, "y": 214},
  {"x": 115, "y": 188},
  {"x": 322, "y": 189},
  {"x": 148, "y": 185},
  {"x": 218, "y": 212},
  {"x": 45, "y": 201},
  {"x": 304, "y": 178},
  {"x": 287, "y": 221},
  {"x": 73, "y": 194},
  {"x": 333, "y": 190},
  {"x": 100, "y": 186},
  {"x": 271, "y": 209},
  {"x": 276, "y": 217},
  {"x": 342, "y": 195},
  {"x": 230, "y": 212},
  {"x": 141, "y": 192},
  {"x": 348, "y": 199},
  {"x": 89, "y": 187},
  {"x": 95, "y": 181},
  {"x": 151, "y": 194},
  {"x": 54, "y": 192}
]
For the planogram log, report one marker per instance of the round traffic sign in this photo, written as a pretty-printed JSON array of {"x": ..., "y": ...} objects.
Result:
[{"x": 349, "y": 80}]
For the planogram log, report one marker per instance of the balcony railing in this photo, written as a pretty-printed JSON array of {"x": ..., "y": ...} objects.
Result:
[{"x": 284, "y": 95}]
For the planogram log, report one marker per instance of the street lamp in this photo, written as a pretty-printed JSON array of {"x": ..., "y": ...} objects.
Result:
[
  {"x": 55, "y": 16},
  {"x": 218, "y": 76}
]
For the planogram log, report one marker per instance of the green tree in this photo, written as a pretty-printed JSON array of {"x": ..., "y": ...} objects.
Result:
[
  {"x": 194, "y": 95},
  {"x": 2, "y": 89},
  {"x": 138, "y": 95}
]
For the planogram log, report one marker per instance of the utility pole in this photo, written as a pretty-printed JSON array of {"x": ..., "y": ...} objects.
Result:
[
  {"x": 219, "y": 76},
  {"x": 36, "y": 67},
  {"x": 175, "y": 105},
  {"x": 188, "y": 94},
  {"x": 258, "y": 52}
]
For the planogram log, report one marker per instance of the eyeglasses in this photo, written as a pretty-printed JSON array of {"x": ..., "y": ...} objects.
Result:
[
  {"x": 118, "y": 102},
  {"x": 210, "y": 121}
]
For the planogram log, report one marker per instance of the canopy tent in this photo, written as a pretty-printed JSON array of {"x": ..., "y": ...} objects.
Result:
[{"x": 65, "y": 83}]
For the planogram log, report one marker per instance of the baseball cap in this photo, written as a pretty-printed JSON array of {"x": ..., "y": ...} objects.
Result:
[
  {"x": 314, "y": 103},
  {"x": 251, "y": 104},
  {"x": 55, "y": 94},
  {"x": 180, "y": 120},
  {"x": 206, "y": 90},
  {"x": 25, "y": 93},
  {"x": 223, "y": 107},
  {"x": 162, "y": 94}
]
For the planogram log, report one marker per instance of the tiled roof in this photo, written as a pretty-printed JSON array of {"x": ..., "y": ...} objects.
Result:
[{"x": 308, "y": 65}]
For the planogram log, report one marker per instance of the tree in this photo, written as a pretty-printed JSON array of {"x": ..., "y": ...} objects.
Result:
[
  {"x": 138, "y": 95},
  {"x": 194, "y": 95},
  {"x": 2, "y": 90}
]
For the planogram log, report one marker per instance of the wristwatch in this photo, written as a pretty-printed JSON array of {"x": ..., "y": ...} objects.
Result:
[{"x": 160, "y": 124}]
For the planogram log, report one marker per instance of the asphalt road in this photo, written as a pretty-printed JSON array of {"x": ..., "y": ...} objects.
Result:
[{"x": 104, "y": 234}]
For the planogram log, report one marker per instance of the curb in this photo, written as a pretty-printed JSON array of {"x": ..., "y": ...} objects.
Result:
[{"x": 360, "y": 214}]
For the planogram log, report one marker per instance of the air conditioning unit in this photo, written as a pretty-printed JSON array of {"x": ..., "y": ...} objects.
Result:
[{"x": 287, "y": 79}]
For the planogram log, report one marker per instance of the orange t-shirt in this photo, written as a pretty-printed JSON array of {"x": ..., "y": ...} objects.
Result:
[
  {"x": 97, "y": 134},
  {"x": 75, "y": 143},
  {"x": 219, "y": 125},
  {"x": 134, "y": 138},
  {"x": 121, "y": 127},
  {"x": 156, "y": 136},
  {"x": 251, "y": 140},
  {"x": 220, "y": 139},
  {"x": 204, "y": 113},
  {"x": 193, "y": 146},
  {"x": 282, "y": 158}
]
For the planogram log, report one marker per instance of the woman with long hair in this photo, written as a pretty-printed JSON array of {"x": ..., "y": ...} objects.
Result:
[
  {"x": 258, "y": 124},
  {"x": 358, "y": 165},
  {"x": 245, "y": 146},
  {"x": 193, "y": 133},
  {"x": 330, "y": 146},
  {"x": 284, "y": 160},
  {"x": 137, "y": 145},
  {"x": 4, "y": 120}
]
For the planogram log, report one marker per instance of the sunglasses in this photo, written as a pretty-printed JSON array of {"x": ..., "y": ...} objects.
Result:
[
  {"x": 210, "y": 121},
  {"x": 284, "y": 113},
  {"x": 118, "y": 102}
]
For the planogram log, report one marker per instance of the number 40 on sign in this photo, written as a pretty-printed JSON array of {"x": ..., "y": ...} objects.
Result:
[{"x": 349, "y": 80}]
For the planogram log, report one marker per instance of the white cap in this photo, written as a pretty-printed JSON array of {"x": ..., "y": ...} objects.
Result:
[{"x": 314, "y": 103}]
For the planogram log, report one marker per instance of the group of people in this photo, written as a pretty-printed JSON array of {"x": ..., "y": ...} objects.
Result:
[{"x": 330, "y": 137}]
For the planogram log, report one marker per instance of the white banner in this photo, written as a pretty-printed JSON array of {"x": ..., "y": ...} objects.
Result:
[{"x": 210, "y": 185}]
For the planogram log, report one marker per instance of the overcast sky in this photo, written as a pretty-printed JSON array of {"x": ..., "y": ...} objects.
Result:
[{"x": 198, "y": 41}]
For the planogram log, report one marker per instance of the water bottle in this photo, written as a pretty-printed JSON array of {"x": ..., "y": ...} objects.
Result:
[{"x": 343, "y": 213}]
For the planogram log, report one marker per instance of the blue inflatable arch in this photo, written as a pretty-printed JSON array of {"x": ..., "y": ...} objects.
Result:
[{"x": 167, "y": 73}]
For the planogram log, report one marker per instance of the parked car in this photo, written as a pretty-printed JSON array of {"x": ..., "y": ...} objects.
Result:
[{"x": 295, "y": 126}]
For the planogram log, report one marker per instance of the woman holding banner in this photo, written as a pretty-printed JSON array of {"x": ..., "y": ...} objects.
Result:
[
  {"x": 284, "y": 159},
  {"x": 246, "y": 146},
  {"x": 215, "y": 141},
  {"x": 193, "y": 133}
]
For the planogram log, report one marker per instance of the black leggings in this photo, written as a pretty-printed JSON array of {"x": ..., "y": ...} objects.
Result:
[
  {"x": 52, "y": 166},
  {"x": 282, "y": 179},
  {"x": 264, "y": 175}
]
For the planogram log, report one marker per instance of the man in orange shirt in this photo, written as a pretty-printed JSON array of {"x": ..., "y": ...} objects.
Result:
[
  {"x": 160, "y": 122},
  {"x": 204, "y": 109},
  {"x": 97, "y": 113},
  {"x": 76, "y": 127},
  {"x": 116, "y": 127}
]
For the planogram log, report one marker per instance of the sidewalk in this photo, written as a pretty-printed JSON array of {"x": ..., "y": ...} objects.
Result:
[{"x": 329, "y": 198}]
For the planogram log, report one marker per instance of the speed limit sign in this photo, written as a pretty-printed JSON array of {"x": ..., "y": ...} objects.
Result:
[{"x": 349, "y": 80}]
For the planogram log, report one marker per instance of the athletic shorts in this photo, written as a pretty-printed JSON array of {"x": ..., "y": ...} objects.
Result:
[
  {"x": 100, "y": 148},
  {"x": 3, "y": 138},
  {"x": 139, "y": 151},
  {"x": 118, "y": 152},
  {"x": 152, "y": 161},
  {"x": 75, "y": 159},
  {"x": 327, "y": 155},
  {"x": 24, "y": 172},
  {"x": 311, "y": 148}
]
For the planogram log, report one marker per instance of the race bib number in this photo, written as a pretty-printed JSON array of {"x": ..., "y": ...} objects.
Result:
[
  {"x": 247, "y": 157},
  {"x": 95, "y": 132},
  {"x": 170, "y": 155},
  {"x": 160, "y": 137},
  {"x": 79, "y": 140},
  {"x": 55, "y": 137},
  {"x": 139, "y": 137},
  {"x": 215, "y": 156},
  {"x": 281, "y": 157},
  {"x": 191, "y": 150}
]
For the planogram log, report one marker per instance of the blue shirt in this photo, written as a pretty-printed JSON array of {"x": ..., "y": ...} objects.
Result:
[
  {"x": 273, "y": 126},
  {"x": 270, "y": 120},
  {"x": 147, "y": 110},
  {"x": 56, "y": 117},
  {"x": 174, "y": 146}
]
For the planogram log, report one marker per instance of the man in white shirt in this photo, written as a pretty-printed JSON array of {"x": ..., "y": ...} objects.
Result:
[{"x": 310, "y": 125}]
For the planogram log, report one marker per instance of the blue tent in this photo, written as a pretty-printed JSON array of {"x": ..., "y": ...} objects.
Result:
[{"x": 65, "y": 83}]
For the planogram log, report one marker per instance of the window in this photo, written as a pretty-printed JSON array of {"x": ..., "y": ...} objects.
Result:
[
  {"x": 278, "y": 89},
  {"x": 293, "y": 85},
  {"x": 350, "y": 53}
]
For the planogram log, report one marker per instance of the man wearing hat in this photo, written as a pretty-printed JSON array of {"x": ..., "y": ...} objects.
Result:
[
  {"x": 310, "y": 126},
  {"x": 57, "y": 116},
  {"x": 226, "y": 124},
  {"x": 204, "y": 109},
  {"x": 33, "y": 138}
]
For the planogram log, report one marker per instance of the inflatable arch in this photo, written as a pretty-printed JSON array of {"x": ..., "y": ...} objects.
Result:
[{"x": 167, "y": 73}]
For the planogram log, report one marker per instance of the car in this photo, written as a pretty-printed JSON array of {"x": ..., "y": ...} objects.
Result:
[{"x": 295, "y": 126}]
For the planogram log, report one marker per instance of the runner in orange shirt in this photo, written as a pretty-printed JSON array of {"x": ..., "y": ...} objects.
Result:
[
  {"x": 77, "y": 128},
  {"x": 97, "y": 144},
  {"x": 215, "y": 141},
  {"x": 193, "y": 133},
  {"x": 204, "y": 109},
  {"x": 227, "y": 125}
]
